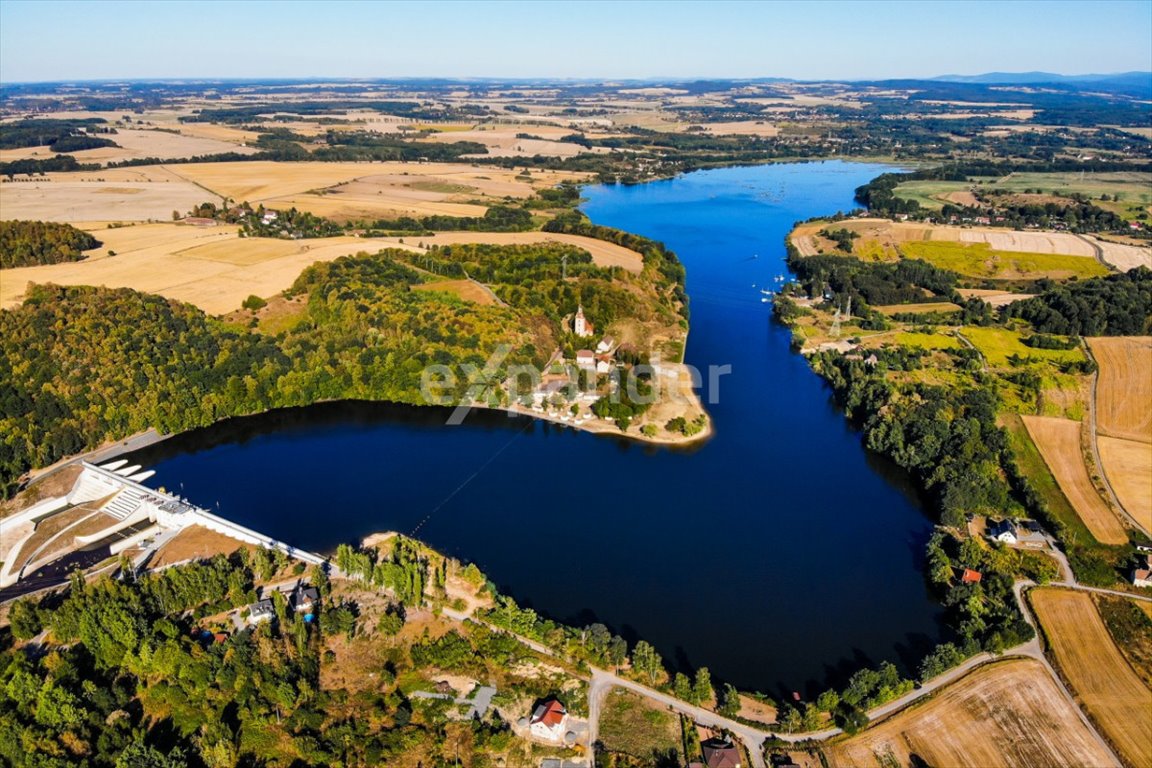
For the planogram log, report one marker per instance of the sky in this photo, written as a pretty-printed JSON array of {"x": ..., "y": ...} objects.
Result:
[{"x": 46, "y": 40}]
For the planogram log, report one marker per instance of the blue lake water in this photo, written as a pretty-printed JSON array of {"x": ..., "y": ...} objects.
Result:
[{"x": 780, "y": 554}]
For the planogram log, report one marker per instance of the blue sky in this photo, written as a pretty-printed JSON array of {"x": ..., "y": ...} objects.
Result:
[{"x": 90, "y": 39}]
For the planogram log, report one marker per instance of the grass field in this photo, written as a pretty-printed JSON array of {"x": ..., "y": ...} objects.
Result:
[
  {"x": 980, "y": 260},
  {"x": 632, "y": 725},
  {"x": 1111, "y": 693},
  {"x": 1124, "y": 390},
  {"x": 1009, "y": 713},
  {"x": 999, "y": 344},
  {"x": 992, "y": 296},
  {"x": 1059, "y": 443},
  {"x": 923, "y": 340},
  {"x": 463, "y": 289}
]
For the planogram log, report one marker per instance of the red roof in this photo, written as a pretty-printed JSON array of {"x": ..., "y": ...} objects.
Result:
[
  {"x": 550, "y": 713},
  {"x": 970, "y": 576}
]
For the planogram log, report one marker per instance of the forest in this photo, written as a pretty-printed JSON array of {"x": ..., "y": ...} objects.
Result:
[
  {"x": 31, "y": 243},
  {"x": 130, "y": 361},
  {"x": 1115, "y": 305},
  {"x": 130, "y": 677}
]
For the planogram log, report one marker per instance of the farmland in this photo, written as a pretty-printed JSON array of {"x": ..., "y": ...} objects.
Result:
[
  {"x": 980, "y": 260},
  {"x": 215, "y": 269},
  {"x": 1125, "y": 387},
  {"x": 984, "y": 253},
  {"x": 341, "y": 191},
  {"x": 1131, "y": 187},
  {"x": 1102, "y": 680},
  {"x": 1124, "y": 420},
  {"x": 1009, "y": 713},
  {"x": 1060, "y": 445}
]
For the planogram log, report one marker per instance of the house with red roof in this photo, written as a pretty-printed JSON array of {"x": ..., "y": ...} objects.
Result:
[
  {"x": 969, "y": 576},
  {"x": 549, "y": 720}
]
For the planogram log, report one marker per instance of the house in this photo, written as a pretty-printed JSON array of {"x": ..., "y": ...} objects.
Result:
[
  {"x": 1003, "y": 531},
  {"x": 605, "y": 344},
  {"x": 580, "y": 325},
  {"x": 719, "y": 753},
  {"x": 304, "y": 599},
  {"x": 260, "y": 611},
  {"x": 1141, "y": 574},
  {"x": 603, "y": 366},
  {"x": 969, "y": 576},
  {"x": 585, "y": 360},
  {"x": 549, "y": 720}
]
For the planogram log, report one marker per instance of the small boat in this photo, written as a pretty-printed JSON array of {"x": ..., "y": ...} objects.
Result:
[{"x": 765, "y": 300}]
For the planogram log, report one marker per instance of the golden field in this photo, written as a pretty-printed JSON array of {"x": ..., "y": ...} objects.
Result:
[
  {"x": 1059, "y": 443},
  {"x": 1110, "y": 692},
  {"x": 1009, "y": 713},
  {"x": 215, "y": 269}
]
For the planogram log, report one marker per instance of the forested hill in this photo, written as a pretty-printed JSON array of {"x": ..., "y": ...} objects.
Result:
[
  {"x": 80, "y": 366},
  {"x": 30, "y": 243}
]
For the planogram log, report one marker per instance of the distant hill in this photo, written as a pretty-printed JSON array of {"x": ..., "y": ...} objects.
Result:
[{"x": 1134, "y": 83}]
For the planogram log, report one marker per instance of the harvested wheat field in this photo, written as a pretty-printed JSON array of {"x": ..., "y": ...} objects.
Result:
[
  {"x": 927, "y": 306},
  {"x": 604, "y": 254},
  {"x": 1111, "y": 693},
  {"x": 1125, "y": 257},
  {"x": 317, "y": 187},
  {"x": 1060, "y": 445},
  {"x": 1008, "y": 713},
  {"x": 213, "y": 267},
  {"x": 1124, "y": 390},
  {"x": 139, "y": 143},
  {"x": 1128, "y": 465},
  {"x": 992, "y": 296},
  {"x": 120, "y": 194},
  {"x": 889, "y": 235}
]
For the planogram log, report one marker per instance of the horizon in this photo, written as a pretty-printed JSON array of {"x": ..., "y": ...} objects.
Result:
[{"x": 109, "y": 40}]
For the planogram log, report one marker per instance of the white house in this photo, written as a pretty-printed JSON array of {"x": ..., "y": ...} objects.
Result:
[
  {"x": 585, "y": 360},
  {"x": 603, "y": 366},
  {"x": 1003, "y": 531},
  {"x": 549, "y": 720},
  {"x": 605, "y": 344},
  {"x": 1142, "y": 573}
]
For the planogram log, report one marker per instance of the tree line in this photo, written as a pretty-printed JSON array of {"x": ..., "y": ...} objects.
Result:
[{"x": 31, "y": 243}]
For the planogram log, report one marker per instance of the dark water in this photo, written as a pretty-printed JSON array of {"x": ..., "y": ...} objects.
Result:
[{"x": 779, "y": 554}]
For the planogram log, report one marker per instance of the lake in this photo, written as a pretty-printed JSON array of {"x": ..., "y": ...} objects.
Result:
[{"x": 780, "y": 553}]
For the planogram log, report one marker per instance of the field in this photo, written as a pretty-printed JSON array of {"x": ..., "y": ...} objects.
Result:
[
  {"x": 1124, "y": 390},
  {"x": 1009, "y": 713},
  {"x": 994, "y": 297},
  {"x": 1124, "y": 420},
  {"x": 194, "y": 542},
  {"x": 467, "y": 290},
  {"x": 1098, "y": 674},
  {"x": 1032, "y": 464},
  {"x": 1132, "y": 187},
  {"x": 980, "y": 260},
  {"x": 1130, "y": 624},
  {"x": 928, "y": 306},
  {"x": 355, "y": 190},
  {"x": 631, "y": 724},
  {"x": 122, "y": 194},
  {"x": 1128, "y": 465},
  {"x": 999, "y": 344},
  {"x": 215, "y": 269},
  {"x": 1060, "y": 445},
  {"x": 341, "y": 191},
  {"x": 135, "y": 144},
  {"x": 982, "y": 252}
]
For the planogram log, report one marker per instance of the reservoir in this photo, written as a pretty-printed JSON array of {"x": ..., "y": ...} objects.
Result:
[{"x": 779, "y": 554}]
